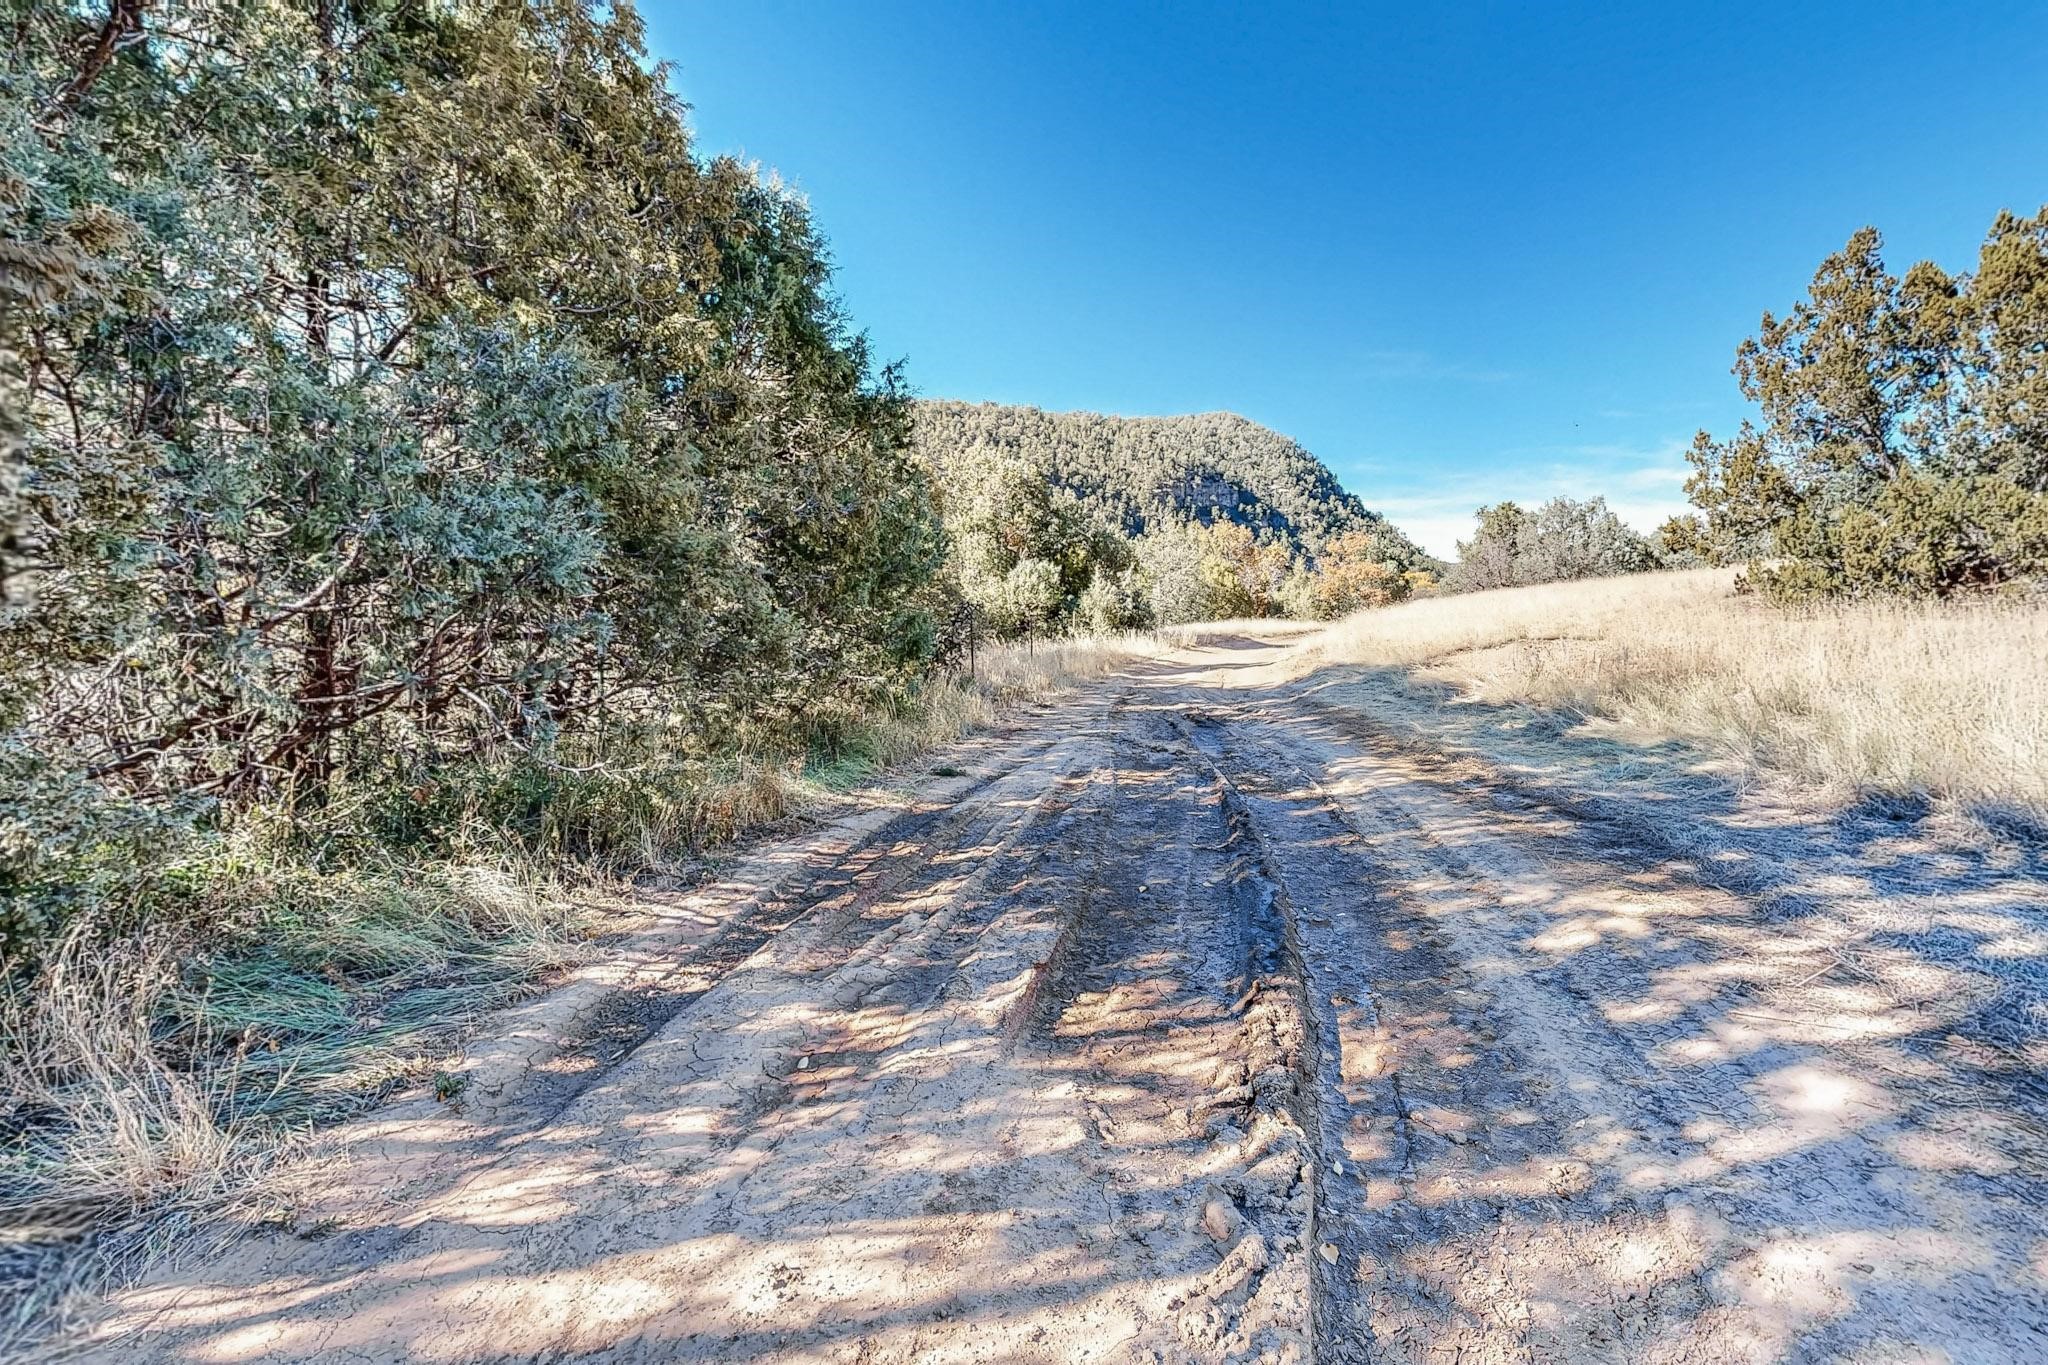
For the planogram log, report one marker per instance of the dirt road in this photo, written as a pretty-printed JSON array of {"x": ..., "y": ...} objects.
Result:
[{"x": 1218, "y": 1016}]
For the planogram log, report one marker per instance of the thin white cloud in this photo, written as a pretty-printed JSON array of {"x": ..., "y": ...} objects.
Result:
[
  {"x": 1643, "y": 486},
  {"x": 1657, "y": 476}
]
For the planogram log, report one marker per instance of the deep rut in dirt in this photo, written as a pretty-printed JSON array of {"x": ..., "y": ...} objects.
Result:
[{"x": 1209, "y": 1024}]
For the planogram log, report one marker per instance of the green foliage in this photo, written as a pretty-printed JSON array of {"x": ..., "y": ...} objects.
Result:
[
  {"x": 1193, "y": 572},
  {"x": 1903, "y": 444},
  {"x": 1562, "y": 539},
  {"x": 1683, "y": 542},
  {"x": 1170, "y": 558},
  {"x": 1115, "y": 602},
  {"x": 1029, "y": 556},
  {"x": 69, "y": 845},
  {"x": 1205, "y": 573},
  {"x": 1244, "y": 574},
  {"x": 395, "y": 389}
]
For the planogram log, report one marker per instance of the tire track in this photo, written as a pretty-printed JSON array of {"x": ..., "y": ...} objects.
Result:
[
  {"x": 1717, "y": 1195},
  {"x": 1208, "y": 1030}
]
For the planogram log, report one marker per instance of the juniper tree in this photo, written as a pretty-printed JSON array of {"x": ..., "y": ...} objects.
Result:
[
  {"x": 393, "y": 383},
  {"x": 1902, "y": 444}
]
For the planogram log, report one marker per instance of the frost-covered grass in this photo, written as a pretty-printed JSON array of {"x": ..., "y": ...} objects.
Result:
[{"x": 1946, "y": 700}]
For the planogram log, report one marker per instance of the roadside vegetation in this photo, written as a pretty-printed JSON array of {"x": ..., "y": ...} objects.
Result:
[
  {"x": 390, "y": 486},
  {"x": 433, "y": 491},
  {"x": 1881, "y": 621},
  {"x": 1939, "y": 699},
  {"x": 152, "y": 1075}
]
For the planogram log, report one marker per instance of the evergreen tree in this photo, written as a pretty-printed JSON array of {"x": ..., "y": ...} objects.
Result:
[
  {"x": 394, "y": 383},
  {"x": 1903, "y": 445}
]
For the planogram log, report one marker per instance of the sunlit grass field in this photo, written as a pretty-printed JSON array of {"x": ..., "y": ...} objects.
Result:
[{"x": 1946, "y": 700}]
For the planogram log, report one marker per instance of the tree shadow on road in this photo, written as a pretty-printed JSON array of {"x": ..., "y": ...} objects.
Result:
[
  {"x": 1801, "y": 1045},
  {"x": 1610, "y": 1059}
]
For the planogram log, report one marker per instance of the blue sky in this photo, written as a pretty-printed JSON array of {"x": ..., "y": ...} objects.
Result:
[{"x": 1461, "y": 252}]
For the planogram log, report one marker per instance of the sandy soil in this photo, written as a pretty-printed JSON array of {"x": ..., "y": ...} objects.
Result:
[{"x": 1219, "y": 1015}]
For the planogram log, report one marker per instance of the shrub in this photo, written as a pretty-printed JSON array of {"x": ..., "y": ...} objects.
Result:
[
  {"x": 1171, "y": 559},
  {"x": 1561, "y": 540},
  {"x": 1115, "y": 603}
]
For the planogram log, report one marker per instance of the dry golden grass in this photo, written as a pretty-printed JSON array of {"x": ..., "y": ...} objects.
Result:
[
  {"x": 1949, "y": 700},
  {"x": 763, "y": 789},
  {"x": 124, "y": 1126},
  {"x": 1006, "y": 673},
  {"x": 108, "y": 1142},
  {"x": 632, "y": 800},
  {"x": 140, "y": 1086}
]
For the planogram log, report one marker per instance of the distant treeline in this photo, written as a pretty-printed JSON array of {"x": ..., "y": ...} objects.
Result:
[
  {"x": 1139, "y": 473},
  {"x": 1060, "y": 521},
  {"x": 1078, "y": 521},
  {"x": 1562, "y": 539}
]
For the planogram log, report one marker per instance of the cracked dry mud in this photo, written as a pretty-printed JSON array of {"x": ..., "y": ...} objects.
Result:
[{"x": 1214, "y": 1017}]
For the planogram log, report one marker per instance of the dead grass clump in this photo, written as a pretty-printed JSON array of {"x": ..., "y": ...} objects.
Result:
[
  {"x": 148, "y": 1078},
  {"x": 97, "y": 1118},
  {"x": 638, "y": 804},
  {"x": 104, "y": 1142},
  {"x": 950, "y": 706},
  {"x": 1028, "y": 670},
  {"x": 1947, "y": 700}
]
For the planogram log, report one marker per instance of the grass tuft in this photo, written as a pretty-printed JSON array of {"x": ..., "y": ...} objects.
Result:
[{"x": 98, "y": 1116}]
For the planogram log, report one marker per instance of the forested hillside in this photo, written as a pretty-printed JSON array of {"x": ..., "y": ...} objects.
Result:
[
  {"x": 1074, "y": 521},
  {"x": 1140, "y": 473}
]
